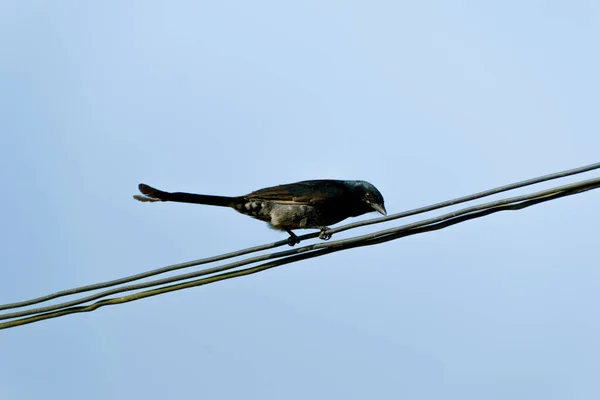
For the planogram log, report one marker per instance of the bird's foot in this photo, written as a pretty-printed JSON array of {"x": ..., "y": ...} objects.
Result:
[
  {"x": 293, "y": 239},
  {"x": 324, "y": 235}
]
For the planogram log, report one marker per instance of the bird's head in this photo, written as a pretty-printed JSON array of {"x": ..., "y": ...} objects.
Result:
[{"x": 370, "y": 196}]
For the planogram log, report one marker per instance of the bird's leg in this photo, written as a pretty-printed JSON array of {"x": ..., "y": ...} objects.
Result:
[
  {"x": 293, "y": 239},
  {"x": 323, "y": 235}
]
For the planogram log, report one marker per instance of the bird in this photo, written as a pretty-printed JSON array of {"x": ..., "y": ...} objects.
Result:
[{"x": 312, "y": 204}]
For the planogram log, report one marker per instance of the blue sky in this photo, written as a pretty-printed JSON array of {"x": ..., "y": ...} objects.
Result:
[{"x": 427, "y": 100}]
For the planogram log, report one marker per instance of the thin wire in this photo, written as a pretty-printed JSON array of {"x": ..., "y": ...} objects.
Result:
[
  {"x": 471, "y": 197},
  {"x": 143, "y": 275},
  {"x": 365, "y": 240},
  {"x": 234, "y": 254},
  {"x": 586, "y": 185}
]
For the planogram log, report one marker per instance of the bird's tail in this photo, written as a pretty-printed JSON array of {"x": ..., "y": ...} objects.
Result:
[{"x": 151, "y": 194}]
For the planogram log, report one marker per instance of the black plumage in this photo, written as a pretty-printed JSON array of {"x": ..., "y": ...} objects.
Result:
[{"x": 301, "y": 205}]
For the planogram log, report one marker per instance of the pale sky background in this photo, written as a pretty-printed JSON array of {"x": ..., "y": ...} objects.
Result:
[{"x": 428, "y": 100}]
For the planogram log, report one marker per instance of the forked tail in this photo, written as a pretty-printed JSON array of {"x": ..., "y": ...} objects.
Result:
[{"x": 151, "y": 194}]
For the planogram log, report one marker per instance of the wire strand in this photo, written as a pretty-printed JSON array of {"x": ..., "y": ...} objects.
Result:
[
  {"x": 516, "y": 203},
  {"x": 369, "y": 239},
  {"x": 174, "y": 267}
]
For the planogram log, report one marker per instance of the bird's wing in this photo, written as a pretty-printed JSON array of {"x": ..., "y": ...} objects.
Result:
[{"x": 306, "y": 192}]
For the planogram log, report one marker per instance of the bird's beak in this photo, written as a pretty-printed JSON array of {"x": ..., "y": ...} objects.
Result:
[{"x": 379, "y": 208}]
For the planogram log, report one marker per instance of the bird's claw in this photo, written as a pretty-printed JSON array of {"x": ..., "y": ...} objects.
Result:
[
  {"x": 324, "y": 235},
  {"x": 293, "y": 239}
]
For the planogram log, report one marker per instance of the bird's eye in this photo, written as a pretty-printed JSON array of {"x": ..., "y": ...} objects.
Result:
[{"x": 369, "y": 195}]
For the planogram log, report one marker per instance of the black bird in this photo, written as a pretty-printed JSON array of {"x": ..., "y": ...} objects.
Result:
[{"x": 301, "y": 205}]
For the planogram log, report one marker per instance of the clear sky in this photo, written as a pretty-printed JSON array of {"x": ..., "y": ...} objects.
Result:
[{"x": 428, "y": 100}]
